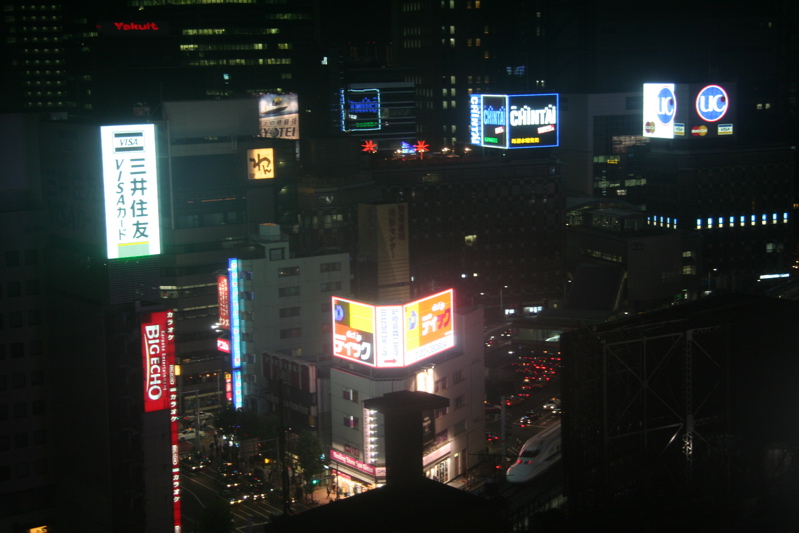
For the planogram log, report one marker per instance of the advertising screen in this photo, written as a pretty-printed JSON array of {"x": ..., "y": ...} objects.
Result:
[
  {"x": 130, "y": 179},
  {"x": 279, "y": 116},
  {"x": 353, "y": 331},
  {"x": 223, "y": 300},
  {"x": 428, "y": 326},
  {"x": 494, "y": 114},
  {"x": 235, "y": 322},
  {"x": 360, "y": 109},
  {"x": 158, "y": 359},
  {"x": 391, "y": 336},
  {"x": 660, "y": 109},
  {"x": 260, "y": 164},
  {"x": 683, "y": 111},
  {"x": 514, "y": 121}
]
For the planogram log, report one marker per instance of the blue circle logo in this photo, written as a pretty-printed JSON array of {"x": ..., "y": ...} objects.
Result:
[
  {"x": 667, "y": 105},
  {"x": 712, "y": 103},
  {"x": 339, "y": 314}
]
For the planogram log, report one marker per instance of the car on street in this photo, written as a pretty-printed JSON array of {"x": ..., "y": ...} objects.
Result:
[
  {"x": 195, "y": 461},
  {"x": 254, "y": 488},
  {"x": 189, "y": 434},
  {"x": 550, "y": 404},
  {"x": 491, "y": 437},
  {"x": 510, "y": 401},
  {"x": 232, "y": 496},
  {"x": 524, "y": 421}
]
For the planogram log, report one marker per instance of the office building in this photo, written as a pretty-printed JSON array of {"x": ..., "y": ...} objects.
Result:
[{"x": 452, "y": 435}]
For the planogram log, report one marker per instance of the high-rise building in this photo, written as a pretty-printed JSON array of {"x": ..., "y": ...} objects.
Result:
[
  {"x": 27, "y": 459},
  {"x": 124, "y": 59}
]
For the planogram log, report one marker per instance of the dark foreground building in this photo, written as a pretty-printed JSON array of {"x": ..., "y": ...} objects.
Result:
[{"x": 684, "y": 417}]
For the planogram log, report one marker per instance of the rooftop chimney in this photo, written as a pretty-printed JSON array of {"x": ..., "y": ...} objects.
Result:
[{"x": 402, "y": 411}]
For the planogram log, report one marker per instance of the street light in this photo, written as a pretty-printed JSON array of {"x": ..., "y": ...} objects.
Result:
[{"x": 501, "y": 305}]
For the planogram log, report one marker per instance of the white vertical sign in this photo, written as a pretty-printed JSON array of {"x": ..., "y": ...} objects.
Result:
[{"x": 130, "y": 178}]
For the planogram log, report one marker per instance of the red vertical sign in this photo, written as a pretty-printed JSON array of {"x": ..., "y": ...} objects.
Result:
[{"x": 161, "y": 388}]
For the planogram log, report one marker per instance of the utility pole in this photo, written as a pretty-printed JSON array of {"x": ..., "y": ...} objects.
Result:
[{"x": 283, "y": 450}]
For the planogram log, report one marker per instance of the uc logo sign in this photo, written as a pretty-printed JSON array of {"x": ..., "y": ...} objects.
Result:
[
  {"x": 667, "y": 105},
  {"x": 712, "y": 103}
]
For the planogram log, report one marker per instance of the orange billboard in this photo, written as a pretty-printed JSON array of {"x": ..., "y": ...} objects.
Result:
[
  {"x": 428, "y": 326},
  {"x": 386, "y": 336}
]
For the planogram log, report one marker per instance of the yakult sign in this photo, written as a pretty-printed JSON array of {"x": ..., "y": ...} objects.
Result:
[{"x": 158, "y": 358}]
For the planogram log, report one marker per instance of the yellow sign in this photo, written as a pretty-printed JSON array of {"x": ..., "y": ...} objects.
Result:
[{"x": 261, "y": 164}]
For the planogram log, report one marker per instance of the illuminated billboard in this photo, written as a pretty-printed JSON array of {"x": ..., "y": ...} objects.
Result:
[
  {"x": 689, "y": 111},
  {"x": 235, "y": 321},
  {"x": 260, "y": 164},
  {"x": 130, "y": 179},
  {"x": 353, "y": 331},
  {"x": 510, "y": 121},
  {"x": 279, "y": 116},
  {"x": 428, "y": 326},
  {"x": 391, "y": 336},
  {"x": 223, "y": 300},
  {"x": 660, "y": 107},
  {"x": 158, "y": 359},
  {"x": 360, "y": 110}
]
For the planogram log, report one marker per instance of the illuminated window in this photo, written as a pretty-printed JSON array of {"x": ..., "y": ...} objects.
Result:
[
  {"x": 288, "y": 271},
  {"x": 350, "y": 394},
  {"x": 352, "y": 422}
]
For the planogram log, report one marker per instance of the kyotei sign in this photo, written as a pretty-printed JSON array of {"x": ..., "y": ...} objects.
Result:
[
  {"x": 391, "y": 336},
  {"x": 158, "y": 359},
  {"x": 130, "y": 178},
  {"x": 514, "y": 121},
  {"x": 279, "y": 116}
]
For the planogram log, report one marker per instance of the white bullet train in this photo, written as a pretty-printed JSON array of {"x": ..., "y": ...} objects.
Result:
[{"x": 537, "y": 455}]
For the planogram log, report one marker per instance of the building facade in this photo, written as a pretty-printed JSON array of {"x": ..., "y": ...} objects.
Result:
[{"x": 453, "y": 435}]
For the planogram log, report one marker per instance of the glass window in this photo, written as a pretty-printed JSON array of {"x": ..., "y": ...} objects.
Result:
[
  {"x": 330, "y": 286},
  {"x": 15, "y": 319},
  {"x": 286, "y": 312},
  {"x": 31, "y": 257},
  {"x": 32, "y": 287},
  {"x": 20, "y": 410},
  {"x": 352, "y": 422},
  {"x": 14, "y": 288},
  {"x": 288, "y": 271},
  {"x": 12, "y": 258},
  {"x": 290, "y": 333},
  {"x": 289, "y": 291},
  {"x": 276, "y": 254},
  {"x": 330, "y": 267},
  {"x": 18, "y": 380}
]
